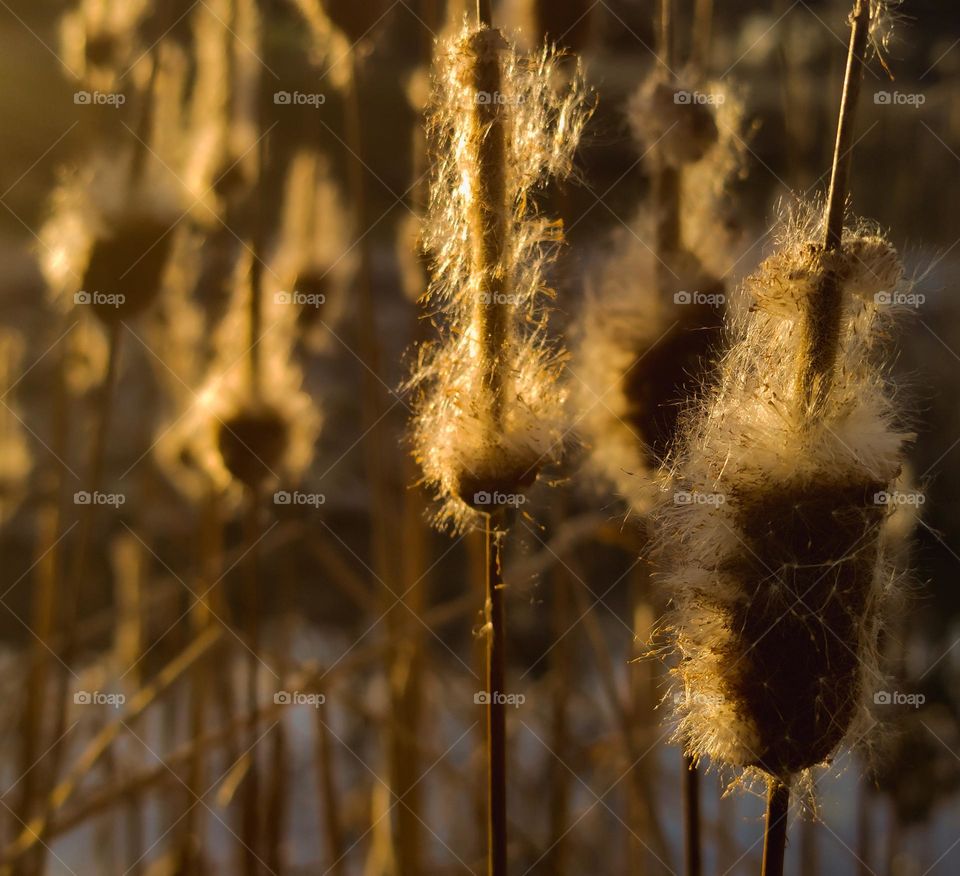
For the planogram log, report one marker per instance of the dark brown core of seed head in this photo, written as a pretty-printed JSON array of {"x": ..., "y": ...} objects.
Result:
[
  {"x": 252, "y": 444},
  {"x": 666, "y": 375},
  {"x": 492, "y": 487},
  {"x": 797, "y": 634},
  {"x": 125, "y": 270}
]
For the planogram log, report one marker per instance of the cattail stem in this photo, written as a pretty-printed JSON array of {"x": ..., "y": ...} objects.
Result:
[
  {"x": 79, "y": 591},
  {"x": 823, "y": 316},
  {"x": 666, "y": 180},
  {"x": 691, "y": 817},
  {"x": 251, "y": 812},
  {"x": 666, "y": 47},
  {"x": 702, "y": 34},
  {"x": 485, "y": 12},
  {"x": 496, "y": 717},
  {"x": 327, "y": 783},
  {"x": 488, "y": 214},
  {"x": 775, "y": 834}
]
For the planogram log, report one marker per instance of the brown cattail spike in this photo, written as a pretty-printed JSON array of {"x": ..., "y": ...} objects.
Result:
[{"x": 488, "y": 213}]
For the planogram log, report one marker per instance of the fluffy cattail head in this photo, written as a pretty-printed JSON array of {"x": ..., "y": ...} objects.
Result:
[
  {"x": 673, "y": 118},
  {"x": 771, "y": 531},
  {"x": 490, "y": 410}
]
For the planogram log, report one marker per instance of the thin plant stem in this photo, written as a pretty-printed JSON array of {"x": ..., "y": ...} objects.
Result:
[
  {"x": 251, "y": 812},
  {"x": 691, "y": 817},
  {"x": 327, "y": 783},
  {"x": 44, "y": 609},
  {"x": 666, "y": 47},
  {"x": 562, "y": 667},
  {"x": 702, "y": 34},
  {"x": 79, "y": 567},
  {"x": 485, "y": 12},
  {"x": 496, "y": 717},
  {"x": 823, "y": 314},
  {"x": 775, "y": 829},
  {"x": 864, "y": 829}
]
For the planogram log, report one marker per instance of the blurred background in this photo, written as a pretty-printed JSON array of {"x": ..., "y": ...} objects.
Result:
[{"x": 219, "y": 664}]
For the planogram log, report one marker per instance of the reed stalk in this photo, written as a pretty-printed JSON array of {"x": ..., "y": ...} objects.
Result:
[
  {"x": 824, "y": 313},
  {"x": 775, "y": 828},
  {"x": 496, "y": 707}
]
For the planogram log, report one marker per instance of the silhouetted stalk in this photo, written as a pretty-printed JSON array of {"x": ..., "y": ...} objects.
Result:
[
  {"x": 642, "y": 779},
  {"x": 36, "y": 832},
  {"x": 864, "y": 829},
  {"x": 330, "y": 801},
  {"x": 377, "y": 451},
  {"x": 252, "y": 802},
  {"x": 702, "y": 34},
  {"x": 775, "y": 829},
  {"x": 485, "y": 12},
  {"x": 496, "y": 714},
  {"x": 809, "y": 858},
  {"x": 561, "y": 667},
  {"x": 691, "y": 817}
]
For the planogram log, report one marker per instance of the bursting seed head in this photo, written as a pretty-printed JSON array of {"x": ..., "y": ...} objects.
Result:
[{"x": 771, "y": 534}]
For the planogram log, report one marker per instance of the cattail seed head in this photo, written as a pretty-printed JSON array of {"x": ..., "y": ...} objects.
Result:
[
  {"x": 253, "y": 442},
  {"x": 129, "y": 261},
  {"x": 673, "y": 120},
  {"x": 490, "y": 409},
  {"x": 771, "y": 529}
]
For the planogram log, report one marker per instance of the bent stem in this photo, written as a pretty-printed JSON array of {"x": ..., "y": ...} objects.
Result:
[
  {"x": 496, "y": 718},
  {"x": 775, "y": 832},
  {"x": 822, "y": 320}
]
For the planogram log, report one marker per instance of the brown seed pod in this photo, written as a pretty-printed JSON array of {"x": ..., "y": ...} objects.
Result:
[
  {"x": 771, "y": 532},
  {"x": 253, "y": 443},
  {"x": 125, "y": 270},
  {"x": 674, "y": 119},
  {"x": 489, "y": 414}
]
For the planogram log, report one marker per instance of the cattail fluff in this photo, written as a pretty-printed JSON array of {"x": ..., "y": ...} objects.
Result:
[
  {"x": 98, "y": 40},
  {"x": 654, "y": 307},
  {"x": 489, "y": 416},
  {"x": 113, "y": 223},
  {"x": 314, "y": 263},
  {"x": 264, "y": 432},
  {"x": 771, "y": 529},
  {"x": 228, "y": 432}
]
